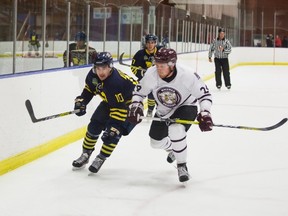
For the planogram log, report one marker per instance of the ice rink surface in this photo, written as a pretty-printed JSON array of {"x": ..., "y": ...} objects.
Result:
[{"x": 233, "y": 172}]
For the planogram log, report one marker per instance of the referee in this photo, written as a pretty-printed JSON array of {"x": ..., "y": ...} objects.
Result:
[{"x": 221, "y": 47}]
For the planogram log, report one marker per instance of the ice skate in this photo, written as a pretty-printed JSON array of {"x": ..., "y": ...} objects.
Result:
[
  {"x": 182, "y": 172},
  {"x": 96, "y": 164},
  {"x": 171, "y": 157},
  {"x": 82, "y": 160}
]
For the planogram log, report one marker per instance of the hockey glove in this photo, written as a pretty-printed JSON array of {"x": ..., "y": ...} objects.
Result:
[
  {"x": 111, "y": 135},
  {"x": 79, "y": 104},
  {"x": 205, "y": 121},
  {"x": 135, "y": 111}
]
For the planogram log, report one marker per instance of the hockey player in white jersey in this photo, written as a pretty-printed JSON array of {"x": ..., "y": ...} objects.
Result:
[{"x": 178, "y": 93}]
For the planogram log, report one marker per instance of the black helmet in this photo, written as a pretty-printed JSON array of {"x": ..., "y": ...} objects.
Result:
[
  {"x": 221, "y": 30},
  {"x": 166, "y": 55},
  {"x": 151, "y": 37},
  {"x": 80, "y": 36},
  {"x": 104, "y": 58}
]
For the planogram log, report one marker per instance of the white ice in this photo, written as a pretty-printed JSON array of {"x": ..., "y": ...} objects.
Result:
[{"x": 234, "y": 172}]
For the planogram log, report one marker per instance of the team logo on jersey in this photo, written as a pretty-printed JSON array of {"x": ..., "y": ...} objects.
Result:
[
  {"x": 169, "y": 97},
  {"x": 97, "y": 84}
]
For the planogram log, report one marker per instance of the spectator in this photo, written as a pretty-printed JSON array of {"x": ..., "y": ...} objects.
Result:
[
  {"x": 269, "y": 40},
  {"x": 165, "y": 39},
  {"x": 285, "y": 42},
  {"x": 278, "y": 42}
]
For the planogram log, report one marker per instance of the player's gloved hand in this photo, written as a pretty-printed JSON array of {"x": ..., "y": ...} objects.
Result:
[
  {"x": 205, "y": 121},
  {"x": 111, "y": 135},
  {"x": 135, "y": 111},
  {"x": 79, "y": 104}
]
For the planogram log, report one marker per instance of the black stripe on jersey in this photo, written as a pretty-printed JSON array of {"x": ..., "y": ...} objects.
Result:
[
  {"x": 204, "y": 96},
  {"x": 139, "y": 95},
  {"x": 207, "y": 100},
  {"x": 179, "y": 140},
  {"x": 179, "y": 151}
]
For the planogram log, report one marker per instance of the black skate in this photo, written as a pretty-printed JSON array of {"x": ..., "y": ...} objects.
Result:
[
  {"x": 171, "y": 157},
  {"x": 96, "y": 164},
  {"x": 182, "y": 172},
  {"x": 82, "y": 160}
]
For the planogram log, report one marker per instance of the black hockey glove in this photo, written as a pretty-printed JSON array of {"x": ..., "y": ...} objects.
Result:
[
  {"x": 79, "y": 104},
  {"x": 205, "y": 121},
  {"x": 135, "y": 111},
  {"x": 111, "y": 135}
]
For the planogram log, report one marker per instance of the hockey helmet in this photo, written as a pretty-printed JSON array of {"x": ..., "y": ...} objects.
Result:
[
  {"x": 166, "y": 55},
  {"x": 151, "y": 37},
  {"x": 104, "y": 58},
  {"x": 80, "y": 36},
  {"x": 221, "y": 30}
]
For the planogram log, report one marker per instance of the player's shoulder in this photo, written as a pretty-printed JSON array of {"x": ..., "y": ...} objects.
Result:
[
  {"x": 72, "y": 46},
  {"x": 91, "y": 74},
  {"x": 186, "y": 73},
  {"x": 158, "y": 47},
  {"x": 92, "y": 49},
  {"x": 140, "y": 52},
  {"x": 118, "y": 76},
  {"x": 183, "y": 69},
  {"x": 151, "y": 73}
]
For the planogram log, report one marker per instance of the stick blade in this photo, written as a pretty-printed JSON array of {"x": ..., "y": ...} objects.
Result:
[
  {"x": 279, "y": 124},
  {"x": 121, "y": 58},
  {"x": 30, "y": 110}
]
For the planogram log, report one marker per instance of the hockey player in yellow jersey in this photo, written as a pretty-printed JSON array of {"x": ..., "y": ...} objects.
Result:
[
  {"x": 142, "y": 60},
  {"x": 115, "y": 88}
]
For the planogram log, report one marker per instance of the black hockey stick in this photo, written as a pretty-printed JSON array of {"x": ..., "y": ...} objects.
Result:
[
  {"x": 122, "y": 63},
  {"x": 181, "y": 121},
  {"x": 34, "y": 119}
]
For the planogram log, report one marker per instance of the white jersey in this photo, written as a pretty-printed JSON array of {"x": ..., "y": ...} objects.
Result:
[{"x": 185, "y": 89}]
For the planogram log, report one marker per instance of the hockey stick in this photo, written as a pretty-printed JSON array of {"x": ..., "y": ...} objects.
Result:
[
  {"x": 182, "y": 121},
  {"x": 131, "y": 66},
  {"x": 34, "y": 119}
]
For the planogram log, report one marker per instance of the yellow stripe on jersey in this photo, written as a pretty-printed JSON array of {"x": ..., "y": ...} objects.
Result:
[
  {"x": 134, "y": 70},
  {"x": 117, "y": 109},
  {"x": 126, "y": 77},
  {"x": 119, "y": 114},
  {"x": 88, "y": 89}
]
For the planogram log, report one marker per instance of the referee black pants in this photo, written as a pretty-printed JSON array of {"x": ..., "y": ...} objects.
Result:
[{"x": 222, "y": 65}]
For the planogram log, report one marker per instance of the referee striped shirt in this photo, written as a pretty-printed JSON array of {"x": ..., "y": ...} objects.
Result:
[{"x": 215, "y": 48}]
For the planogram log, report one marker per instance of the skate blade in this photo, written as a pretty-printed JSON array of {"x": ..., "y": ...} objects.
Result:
[
  {"x": 78, "y": 168},
  {"x": 92, "y": 174},
  {"x": 185, "y": 184}
]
